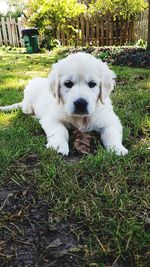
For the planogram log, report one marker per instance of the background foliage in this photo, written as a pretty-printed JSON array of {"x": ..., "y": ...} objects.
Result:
[
  {"x": 127, "y": 9},
  {"x": 54, "y": 13},
  {"x": 48, "y": 15}
]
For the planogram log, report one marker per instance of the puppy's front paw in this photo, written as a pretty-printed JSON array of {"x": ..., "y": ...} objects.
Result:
[
  {"x": 61, "y": 146},
  {"x": 121, "y": 151},
  {"x": 118, "y": 150}
]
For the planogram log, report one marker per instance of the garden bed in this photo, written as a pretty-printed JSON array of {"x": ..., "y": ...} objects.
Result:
[{"x": 121, "y": 56}]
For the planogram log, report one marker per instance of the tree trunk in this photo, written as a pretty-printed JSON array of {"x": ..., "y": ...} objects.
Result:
[{"x": 148, "y": 39}]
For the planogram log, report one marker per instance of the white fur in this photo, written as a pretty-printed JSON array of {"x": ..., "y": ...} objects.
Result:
[{"x": 53, "y": 103}]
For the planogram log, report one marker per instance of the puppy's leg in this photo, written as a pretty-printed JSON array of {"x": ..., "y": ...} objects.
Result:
[
  {"x": 57, "y": 135},
  {"x": 112, "y": 140},
  {"x": 26, "y": 107},
  {"x": 111, "y": 137}
]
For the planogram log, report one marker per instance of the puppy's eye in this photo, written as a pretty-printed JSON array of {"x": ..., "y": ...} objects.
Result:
[
  {"x": 69, "y": 84},
  {"x": 91, "y": 84}
]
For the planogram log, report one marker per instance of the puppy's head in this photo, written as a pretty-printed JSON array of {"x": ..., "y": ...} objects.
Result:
[{"x": 80, "y": 81}]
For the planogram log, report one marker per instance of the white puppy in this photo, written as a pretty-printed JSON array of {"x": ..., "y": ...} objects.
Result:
[{"x": 76, "y": 93}]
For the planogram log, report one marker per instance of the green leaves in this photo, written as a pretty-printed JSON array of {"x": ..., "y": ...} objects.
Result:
[
  {"x": 124, "y": 8},
  {"x": 54, "y": 12}
]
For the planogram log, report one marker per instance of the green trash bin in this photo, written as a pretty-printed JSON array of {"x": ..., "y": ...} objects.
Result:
[{"x": 30, "y": 37}]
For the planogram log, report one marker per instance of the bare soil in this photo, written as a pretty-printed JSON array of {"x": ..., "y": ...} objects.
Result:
[{"x": 29, "y": 236}]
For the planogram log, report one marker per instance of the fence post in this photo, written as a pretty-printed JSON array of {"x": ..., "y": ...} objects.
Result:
[
  {"x": 82, "y": 29},
  {"x": 87, "y": 31},
  {"x": 93, "y": 29},
  {"x": 4, "y": 31},
  {"x": 9, "y": 31},
  {"x": 107, "y": 31},
  {"x": 20, "y": 26},
  {"x": 1, "y": 40},
  {"x": 102, "y": 31},
  {"x": 78, "y": 31},
  {"x": 97, "y": 31},
  {"x": 111, "y": 35},
  {"x": 131, "y": 31}
]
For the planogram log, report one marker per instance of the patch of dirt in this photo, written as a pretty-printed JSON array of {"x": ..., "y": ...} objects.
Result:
[
  {"x": 139, "y": 77},
  {"x": 28, "y": 234},
  {"x": 121, "y": 80},
  {"x": 25, "y": 164}
]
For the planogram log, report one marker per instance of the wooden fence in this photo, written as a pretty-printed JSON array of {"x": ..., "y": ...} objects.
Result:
[
  {"x": 85, "y": 31},
  {"x": 141, "y": 26},
  {"x": 100, "y": 31},
  {"x": 96, "y": 31},
  {"x": 10, "y": 32}
]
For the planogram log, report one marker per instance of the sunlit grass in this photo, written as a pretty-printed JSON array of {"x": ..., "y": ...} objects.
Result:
[{"x": 6, "y": 119}]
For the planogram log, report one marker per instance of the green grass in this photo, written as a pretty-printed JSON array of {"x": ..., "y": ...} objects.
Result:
[{"x": 109, "y": 195}]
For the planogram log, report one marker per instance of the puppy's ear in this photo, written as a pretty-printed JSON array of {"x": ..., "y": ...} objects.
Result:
[
  {"x": 54, "y": 83},
  {"x": 108, "y": 83}
]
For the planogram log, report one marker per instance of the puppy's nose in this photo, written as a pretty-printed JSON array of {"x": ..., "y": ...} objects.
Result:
[{"x": 80, "y": 106}]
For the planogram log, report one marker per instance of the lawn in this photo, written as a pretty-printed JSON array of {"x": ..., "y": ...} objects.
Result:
[{"x": 92, "y": 210}]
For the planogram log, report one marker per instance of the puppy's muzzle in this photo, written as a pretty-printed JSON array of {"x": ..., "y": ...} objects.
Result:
[{"x": 80, "y": 106}]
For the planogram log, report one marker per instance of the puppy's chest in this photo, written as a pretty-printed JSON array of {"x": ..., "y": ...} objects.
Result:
[{"x": 82, "y": 124}]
